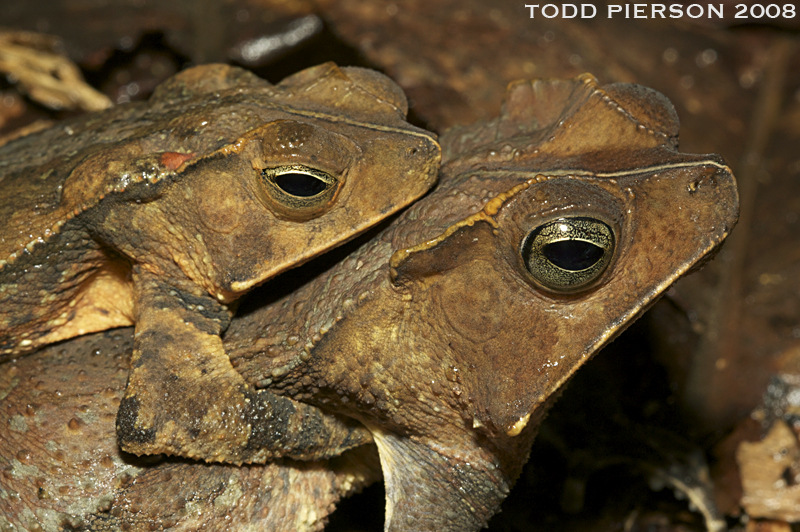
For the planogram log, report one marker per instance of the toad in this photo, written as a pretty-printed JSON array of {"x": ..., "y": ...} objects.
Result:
[
  {"x": 449, "y": 334},
  {"x": 451, "y": 380},
  {"x": 163, "y": 214}
]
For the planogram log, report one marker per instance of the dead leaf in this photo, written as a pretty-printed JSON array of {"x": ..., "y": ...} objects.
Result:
[
  {"x": 32, "y": 61},
  {"x": 770, "y": 472}
]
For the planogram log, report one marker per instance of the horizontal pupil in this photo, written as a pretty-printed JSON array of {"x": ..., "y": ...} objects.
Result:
[
  {"x": 301, "y": 185},
  {"x": 573, "y": 255}
]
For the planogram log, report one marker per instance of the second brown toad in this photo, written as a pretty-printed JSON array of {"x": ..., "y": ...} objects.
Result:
[{"x": 450, "y": 333}]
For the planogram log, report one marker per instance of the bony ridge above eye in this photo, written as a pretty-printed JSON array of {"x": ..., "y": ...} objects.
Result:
[{"x": 568, "y": 254}]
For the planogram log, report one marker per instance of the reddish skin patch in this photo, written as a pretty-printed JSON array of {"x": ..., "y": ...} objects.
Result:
[{"x": 173, "y": 160}]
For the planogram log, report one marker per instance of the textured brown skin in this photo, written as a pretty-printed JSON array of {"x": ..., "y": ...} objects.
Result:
[
  {"x": 407, "y": 355},
  {"x": 61, "y": 467},
  {"x": 155, "y": 214},
  {"x": 449, "y": 352}
]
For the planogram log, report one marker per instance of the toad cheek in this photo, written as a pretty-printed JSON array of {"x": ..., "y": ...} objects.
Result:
[
  {"x": 504, "y": 362},
  {"x": 220, "y": 210},
  {"x": 470, "y": 304}
]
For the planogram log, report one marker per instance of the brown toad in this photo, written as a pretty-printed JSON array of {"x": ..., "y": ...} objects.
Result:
[
  {"x": 164, "y": 213},
  {"x": 451, "y": 364},
  {"x": 449, "y": 334}
]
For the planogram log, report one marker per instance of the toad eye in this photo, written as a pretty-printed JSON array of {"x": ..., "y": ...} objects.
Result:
[
  {"x": 567, "y": 254},
  {"x": 297, "y": 191},
  {"x": 303, "y": 184}
]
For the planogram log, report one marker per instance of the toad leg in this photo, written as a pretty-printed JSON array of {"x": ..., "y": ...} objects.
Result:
[{"x": 184, "y": 397}]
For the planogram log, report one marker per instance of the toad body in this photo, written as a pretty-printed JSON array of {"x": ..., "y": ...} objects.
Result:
[
  {"x": 162, "y": 214},
  {"x": 449, "y": 334}
]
